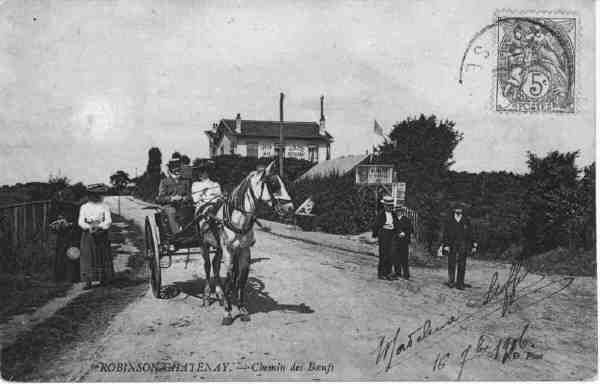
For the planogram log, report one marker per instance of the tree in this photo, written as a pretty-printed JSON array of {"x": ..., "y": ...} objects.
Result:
[
  {"x": 551, "y": 202},
  {"x": 119, "y": 180},
  {"x": 147, "y": 184},
  {"x": 421, "y": 151},
  {"x": 154, "y": 161},
  {"x": 423, "y": 142},
  {"x": 59, "y": 182},
  {"x": 587, "y": 199}
]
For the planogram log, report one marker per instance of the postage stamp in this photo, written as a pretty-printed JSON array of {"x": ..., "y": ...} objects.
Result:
[{"x": 536, "y": 64}]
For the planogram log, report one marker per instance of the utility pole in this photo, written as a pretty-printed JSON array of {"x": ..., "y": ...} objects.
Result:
[{"x": 281, "y": 143}]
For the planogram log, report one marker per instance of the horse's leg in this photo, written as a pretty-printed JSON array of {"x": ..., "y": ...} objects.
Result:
[
  {"x": 228, "y": 261},
  {"x": 216, "y": 267},
  {"x": 206, "y": 257},
  {"x": 243, "y": 264}
]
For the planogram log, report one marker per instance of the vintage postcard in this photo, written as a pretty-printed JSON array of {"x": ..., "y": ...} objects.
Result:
[{"x": 298, "y": 190}]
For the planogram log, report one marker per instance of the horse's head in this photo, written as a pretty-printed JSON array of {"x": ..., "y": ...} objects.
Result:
[{"x": 268, "y": 187}]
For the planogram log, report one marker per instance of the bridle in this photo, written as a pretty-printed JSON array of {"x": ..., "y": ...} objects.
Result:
[{"x": 275, "y": 202}]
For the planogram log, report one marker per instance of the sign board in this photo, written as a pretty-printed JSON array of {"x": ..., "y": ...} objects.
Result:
[
  {"x": 306, "y": 207},
  {"x": 398, "y": 193},
  {"x": 265, "y": 150},
  {"x": 374, "y": 174},
  {"x": 295, "y": 151}
]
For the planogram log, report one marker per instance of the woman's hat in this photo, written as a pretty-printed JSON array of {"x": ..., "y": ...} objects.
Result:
[
  {"x": 97, "y": 188},
  {"x": 387, "y": 200},
  {"x": 204, "y": 165}
]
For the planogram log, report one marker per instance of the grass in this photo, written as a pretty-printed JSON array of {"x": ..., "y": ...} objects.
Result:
[
  {"x": 32, "y": 284},
  {"x": 564, "y": 262},
  {"x": 24, "y": 294},
  {"x": 84, "y": 318}
]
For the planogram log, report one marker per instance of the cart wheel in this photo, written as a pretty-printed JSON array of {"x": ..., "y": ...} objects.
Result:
[{"x": 153, "y": 256}]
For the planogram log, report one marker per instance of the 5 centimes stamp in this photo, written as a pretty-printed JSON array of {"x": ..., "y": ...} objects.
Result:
[{"x": 536, "y": 64}]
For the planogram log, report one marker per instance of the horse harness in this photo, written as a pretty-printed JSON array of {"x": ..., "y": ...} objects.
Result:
[{"x": 229, "y": 207}]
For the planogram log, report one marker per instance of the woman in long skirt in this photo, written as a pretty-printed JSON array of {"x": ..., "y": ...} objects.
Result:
[{"x": 95, "y": 221}]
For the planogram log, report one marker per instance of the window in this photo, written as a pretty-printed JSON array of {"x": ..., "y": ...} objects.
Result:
[
  {"x": 328, "y": 156},
  {"x": 265, "y": 149},
  {"x": 313, "y": 154},
  {"x": 252, "y": 150},
  {"x": 222, "y": 149},
  {"x": 233, "y": 148}
]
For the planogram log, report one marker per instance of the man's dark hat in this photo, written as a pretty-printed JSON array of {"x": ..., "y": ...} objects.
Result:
[
  {"x": 175, "y": 161},
  {"x": 204, "y": 165},
  {"x": 459, "y": 205}
]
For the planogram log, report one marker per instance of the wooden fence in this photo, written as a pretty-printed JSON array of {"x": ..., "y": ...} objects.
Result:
[
  {"x": 413, "y": 216},
  {"x": 26, "y": 222},
  {"x": 25, "y": 233}
]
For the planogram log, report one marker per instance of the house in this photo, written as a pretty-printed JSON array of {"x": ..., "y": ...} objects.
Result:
[{"x": 260, "y": 138}]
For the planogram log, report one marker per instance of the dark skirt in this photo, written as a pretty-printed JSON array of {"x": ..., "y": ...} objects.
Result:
[
  {"x": 66, "y": 269},
  {"x": 96, "y": 258}
]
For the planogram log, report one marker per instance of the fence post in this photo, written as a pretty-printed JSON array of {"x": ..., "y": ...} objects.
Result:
[
  {"x": 45, "y": 207},
  {"x": 15, "y": 227}
]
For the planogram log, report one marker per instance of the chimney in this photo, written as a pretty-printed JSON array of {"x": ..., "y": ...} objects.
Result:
[
  {"x": 322, "y": 121},
  {"x": 215, "y": 126},
  {"x": 238, "y": 123}
]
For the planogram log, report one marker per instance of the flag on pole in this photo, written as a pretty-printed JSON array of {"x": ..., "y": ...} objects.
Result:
[{"x": 378, "y": 129}]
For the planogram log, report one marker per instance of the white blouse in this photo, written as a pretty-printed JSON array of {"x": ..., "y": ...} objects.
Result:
[
  {"x": 389, "y": 220},
  {"x": 94, "y": 214},
  {"x": 205, "y": 191}
]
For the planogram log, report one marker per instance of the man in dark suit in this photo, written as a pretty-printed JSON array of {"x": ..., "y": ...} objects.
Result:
[
  {"x": 174, "y": 191},
  {"x": 458, "y": 241},
  {"x": 386, "y": 229},
  {"x": 400, "y": 258}
]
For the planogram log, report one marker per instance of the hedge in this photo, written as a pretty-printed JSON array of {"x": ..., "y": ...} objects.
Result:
[{"x": 340, "y": 206}]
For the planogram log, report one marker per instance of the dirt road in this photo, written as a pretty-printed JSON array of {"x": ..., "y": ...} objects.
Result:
[{"x": 317, "y": 312}]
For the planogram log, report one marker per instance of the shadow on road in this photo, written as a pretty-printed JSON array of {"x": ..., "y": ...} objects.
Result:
[
  {"x": 259, "y": 259},
  {"x": 257, "y": 298},
  {"x": 193, "y": 287}
]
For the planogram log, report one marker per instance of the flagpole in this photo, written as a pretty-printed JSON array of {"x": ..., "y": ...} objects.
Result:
[{"x": 281, "y": 142}]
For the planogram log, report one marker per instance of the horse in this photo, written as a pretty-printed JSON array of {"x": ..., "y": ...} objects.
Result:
[{"x": 237, "y": 215}]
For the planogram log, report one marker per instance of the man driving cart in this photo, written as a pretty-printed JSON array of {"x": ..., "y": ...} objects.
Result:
[{"x": 174, "y": 192}]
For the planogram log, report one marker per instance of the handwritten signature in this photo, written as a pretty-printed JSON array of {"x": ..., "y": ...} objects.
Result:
[
  {"x": 509, "y": 288},
  {"x": 388, "y": 350},
  {"x": 503, "y": 349}
]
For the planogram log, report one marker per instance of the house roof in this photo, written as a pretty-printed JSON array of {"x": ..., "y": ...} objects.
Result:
[
  {"x": 266, "y": 128},
  {"x": 340, "y": 165}
]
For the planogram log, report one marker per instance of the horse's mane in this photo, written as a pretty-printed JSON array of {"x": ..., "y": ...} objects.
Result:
[{"x": 238, "y": 195}]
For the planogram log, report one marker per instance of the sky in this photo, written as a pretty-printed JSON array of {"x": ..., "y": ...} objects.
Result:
[{"x": 87, "y": 87}]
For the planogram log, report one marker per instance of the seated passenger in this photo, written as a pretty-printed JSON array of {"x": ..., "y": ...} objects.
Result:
[{"x": 207, "y": 197}]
